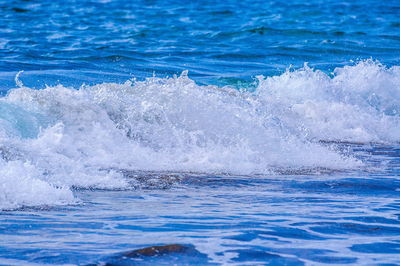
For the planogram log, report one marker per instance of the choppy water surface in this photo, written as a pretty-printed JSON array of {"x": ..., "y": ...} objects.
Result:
[
  {"x": 228, "y": 42},
  {"x": 249, "y": 132}
]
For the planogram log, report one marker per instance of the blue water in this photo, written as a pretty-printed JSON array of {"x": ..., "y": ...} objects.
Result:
[
  {"x": 97, "y": 41},
  {"x": 280, "y": 145}
]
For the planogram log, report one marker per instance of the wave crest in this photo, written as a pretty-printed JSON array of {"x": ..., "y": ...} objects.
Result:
[{"x": 82, "y": 138}]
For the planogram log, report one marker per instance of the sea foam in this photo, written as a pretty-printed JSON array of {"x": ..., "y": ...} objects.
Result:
[{"x": 59, "y": 138}]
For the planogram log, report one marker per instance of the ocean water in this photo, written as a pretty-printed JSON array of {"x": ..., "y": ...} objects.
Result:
[{"x": 249, "y": 132}]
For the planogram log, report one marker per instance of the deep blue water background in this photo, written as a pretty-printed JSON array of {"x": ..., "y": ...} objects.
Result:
[
  {"x": 339, "y": 217},
  {"x": 226, "y": 43}
]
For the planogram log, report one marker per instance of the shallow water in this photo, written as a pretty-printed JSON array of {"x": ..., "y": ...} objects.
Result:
[
  {"x": 280, "y": 145},
  {"x": 349, "y": 217}
]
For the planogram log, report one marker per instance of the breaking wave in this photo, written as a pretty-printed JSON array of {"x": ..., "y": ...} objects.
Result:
[{"x": 59, "y": 138}]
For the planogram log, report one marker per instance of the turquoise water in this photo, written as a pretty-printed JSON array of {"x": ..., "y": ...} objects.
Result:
[{"x": 251, "y": 133}]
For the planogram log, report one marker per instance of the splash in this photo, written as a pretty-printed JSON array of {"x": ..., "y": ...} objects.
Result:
[
  {"x": 83, "y": 138},
  {"x": 18, "y": 82},
  {"x": 21, "y": 185},
  {"x": 358, "y": 104}
]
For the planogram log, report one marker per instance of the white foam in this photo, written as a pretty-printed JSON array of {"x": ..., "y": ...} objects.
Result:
[
  {"x": 81, "y": 138},
  {"x": 20, "y": 185},
  {"x": 359, "y": 103}
]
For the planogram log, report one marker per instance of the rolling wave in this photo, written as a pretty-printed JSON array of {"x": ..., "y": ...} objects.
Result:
[{"x": 59, "y": 138}]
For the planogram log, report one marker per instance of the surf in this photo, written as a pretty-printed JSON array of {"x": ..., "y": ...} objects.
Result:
[{"x": 58, "y": 139}]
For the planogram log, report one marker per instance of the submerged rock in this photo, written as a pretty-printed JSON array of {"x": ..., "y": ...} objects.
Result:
[
  {"x": 158, "y": 255},
  {"x": 152, "y": 180},
  {"x": 157, "y": 250}
]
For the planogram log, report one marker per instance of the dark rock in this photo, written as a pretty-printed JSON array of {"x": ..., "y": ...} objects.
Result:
[
  {"x": 152, "y": 180},
  {"x": 156, "y": 251},
  {"x": 157, "y": 255}
]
